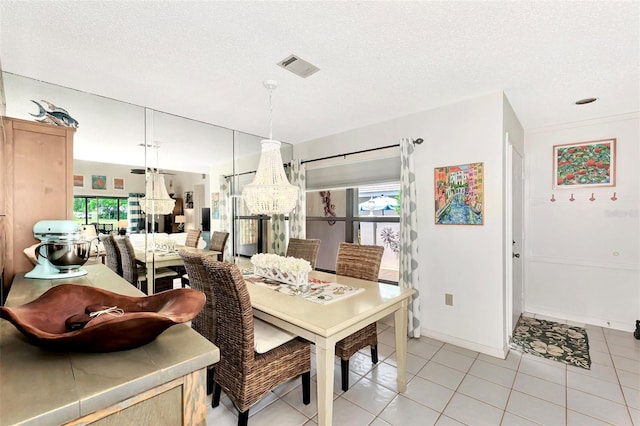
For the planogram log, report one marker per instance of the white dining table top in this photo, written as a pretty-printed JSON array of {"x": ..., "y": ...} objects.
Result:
[
  {"x": 328, "y": 319},
  {"x": 163, "y": 255}
]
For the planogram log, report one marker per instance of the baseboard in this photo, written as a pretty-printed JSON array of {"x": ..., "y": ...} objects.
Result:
[
  {"x": 487, "y": 350},
  {"x": 615, "y": 325}
]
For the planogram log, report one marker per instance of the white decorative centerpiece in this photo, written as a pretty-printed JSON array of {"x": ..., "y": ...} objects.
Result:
[{"x": 288, "y": 270}]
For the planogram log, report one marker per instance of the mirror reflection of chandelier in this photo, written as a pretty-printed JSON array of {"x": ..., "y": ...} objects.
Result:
[
  {"x": 156, "y": 199},
  {"x": 270, "y": 191}
]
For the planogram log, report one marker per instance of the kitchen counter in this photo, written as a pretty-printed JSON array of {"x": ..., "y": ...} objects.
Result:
[{"x": 162, "y": 383}]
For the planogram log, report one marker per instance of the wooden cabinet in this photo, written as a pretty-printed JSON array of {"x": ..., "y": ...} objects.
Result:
[
  {"x": 37, "y": 177},
  {"x": 177, "y": 210}
]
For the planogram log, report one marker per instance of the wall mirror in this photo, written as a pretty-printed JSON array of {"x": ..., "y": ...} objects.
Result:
[{"x": 117, "y": 141}]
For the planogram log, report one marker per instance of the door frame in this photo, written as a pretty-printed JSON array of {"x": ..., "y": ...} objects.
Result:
[{"x": 509, "y": 150}]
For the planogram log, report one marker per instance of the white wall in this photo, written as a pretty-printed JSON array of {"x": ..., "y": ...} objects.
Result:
[
  {"x": 177, "y": 183},
  {"x": 466, "y": 261},
  {"x": 582, "y": 258}
]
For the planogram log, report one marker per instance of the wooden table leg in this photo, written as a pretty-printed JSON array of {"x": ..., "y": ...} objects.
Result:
[
  {"x": 401, "y": 346},
  {"x": 325, "y": 367}
]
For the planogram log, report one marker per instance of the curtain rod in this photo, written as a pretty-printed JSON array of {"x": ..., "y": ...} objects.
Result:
[{"x": 416, "y": 141}]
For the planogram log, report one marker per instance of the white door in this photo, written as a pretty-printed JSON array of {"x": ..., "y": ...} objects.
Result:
[{"x": 517, "y": 219}]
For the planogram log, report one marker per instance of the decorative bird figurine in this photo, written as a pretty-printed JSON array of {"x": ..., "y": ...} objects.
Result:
[{"x": 54, "y": 115}]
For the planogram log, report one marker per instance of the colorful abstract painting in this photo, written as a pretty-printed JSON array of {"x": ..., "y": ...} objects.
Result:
[
  {"x": 459, "y": 194},
  {"x": 215, "y": 204},
  {"x": 78, "y": 181},
  {"x": 584, "y": 164},
  {"x": 118, "y": 183},
  {"x": 98, "y": 182}
]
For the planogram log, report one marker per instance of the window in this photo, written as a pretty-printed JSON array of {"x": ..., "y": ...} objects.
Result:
[
  {"x": 105, "y": 212},
  {"x": 365, "y": 215}
]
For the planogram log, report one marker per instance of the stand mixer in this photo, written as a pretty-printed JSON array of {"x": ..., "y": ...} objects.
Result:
[{"x": 62, "y": 252}]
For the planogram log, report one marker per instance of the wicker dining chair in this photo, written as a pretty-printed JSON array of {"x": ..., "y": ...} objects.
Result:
[
  {"x": 193, "y": 235},
  {"x": 358, "y": 261},
  {"x": 304, "y": 249},
  {"x": 218, "y": 241},
  {"x": 244, "y": 374},
  {"x": 112, "y": 253},
  {"x": 205, "y": 322},
  {"x": 135, "y": 274}
]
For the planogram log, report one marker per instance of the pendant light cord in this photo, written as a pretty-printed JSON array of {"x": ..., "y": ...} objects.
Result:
[{"x": 270, "y": 114}]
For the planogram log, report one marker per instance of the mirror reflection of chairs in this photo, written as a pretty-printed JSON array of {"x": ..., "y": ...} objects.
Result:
[
  {"x": 137, "y": 275},
  {"x": 112, "y": 252},
  {"x": 218, "y": 241}
]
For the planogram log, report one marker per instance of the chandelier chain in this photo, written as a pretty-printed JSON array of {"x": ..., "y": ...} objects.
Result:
[{"x": 270, "y": 113}]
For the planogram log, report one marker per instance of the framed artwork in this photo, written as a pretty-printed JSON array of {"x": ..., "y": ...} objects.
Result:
[
  {"x": 188, "y": 199},
  {"x": 78, "y": 181},
  {"x": 215, "y": 205},
  {"x": 118, "y": 183},
  {"x": 98, "y": 182},
  {"x": 585, "y": 164},
  {"x": 459, "y": 194}
]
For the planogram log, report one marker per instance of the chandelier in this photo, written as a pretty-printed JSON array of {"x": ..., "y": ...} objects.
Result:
[
  {"x": 270, "y": 191},
  {"x": 156, "y": 199}
]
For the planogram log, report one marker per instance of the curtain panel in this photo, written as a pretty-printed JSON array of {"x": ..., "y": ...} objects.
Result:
[
  {"x": 298, "y": 217},
  {"x": 409, "y": 277},
  {"x": 225, "y": 211}
]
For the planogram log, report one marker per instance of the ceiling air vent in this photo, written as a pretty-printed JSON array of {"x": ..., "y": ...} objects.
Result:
[{"x": 298, "y": 66}]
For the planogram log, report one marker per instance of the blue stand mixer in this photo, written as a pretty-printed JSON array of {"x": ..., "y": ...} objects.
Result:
[{"x": 63, "y": 250}]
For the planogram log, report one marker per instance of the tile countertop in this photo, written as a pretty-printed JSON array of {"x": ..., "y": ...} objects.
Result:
[{"x": 42, "y": 387}]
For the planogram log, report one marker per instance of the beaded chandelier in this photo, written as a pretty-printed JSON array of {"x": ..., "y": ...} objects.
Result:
[{"x": 270, "y": 191}]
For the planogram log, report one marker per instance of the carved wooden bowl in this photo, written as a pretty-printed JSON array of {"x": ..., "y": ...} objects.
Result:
[{"x": 144, "y": 318}]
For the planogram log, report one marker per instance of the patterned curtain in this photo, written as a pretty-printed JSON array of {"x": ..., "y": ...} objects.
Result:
[
  {"x": 409, "y": 235},
  {"x": 278, "y": 234},
  {"x": 225, "y": 210},
  {"x": 298, "y": 217}
]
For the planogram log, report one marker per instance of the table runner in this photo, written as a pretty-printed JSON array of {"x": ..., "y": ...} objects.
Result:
[{"x": 319, "y": 291}]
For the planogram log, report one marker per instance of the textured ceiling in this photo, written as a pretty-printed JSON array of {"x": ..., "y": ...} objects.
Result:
[{"x": 378, "y": 60}]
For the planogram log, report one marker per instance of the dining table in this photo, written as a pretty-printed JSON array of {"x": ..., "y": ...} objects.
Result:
[
  {"x": 324, "y": 324},
  {"x": 161, "y": 258}
]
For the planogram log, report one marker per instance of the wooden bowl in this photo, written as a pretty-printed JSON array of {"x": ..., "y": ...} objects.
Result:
[{"x": 144, "y": 318}]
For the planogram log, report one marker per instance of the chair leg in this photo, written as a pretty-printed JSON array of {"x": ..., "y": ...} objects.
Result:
[
  {"x": 344, "y": 367},
  {"x": 217, "y": 390},
  {"x": 374, "y": 353},
  {"x": 243, "y": 418},
  {"x": 306, "y": 388},
  {"x": 210, "y": 381}
]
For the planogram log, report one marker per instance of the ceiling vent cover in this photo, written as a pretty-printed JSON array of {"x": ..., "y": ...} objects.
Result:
[{"x": 298, "y": 66}]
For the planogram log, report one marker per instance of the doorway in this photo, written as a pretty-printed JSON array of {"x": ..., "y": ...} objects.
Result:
[{"x": 514, "y": 243}]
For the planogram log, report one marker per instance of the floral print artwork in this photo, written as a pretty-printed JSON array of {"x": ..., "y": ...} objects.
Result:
[{"x": 548, "y": 339}]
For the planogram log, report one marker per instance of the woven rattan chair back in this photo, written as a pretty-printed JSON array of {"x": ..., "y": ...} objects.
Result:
[
  {"x": 244, "y": 375},
  {"x": 206, "y": 321},
  {"x": 304, "y": 249},
  {"x": 128, "y": 260},
  {"x": 359, "y": 261},
  {"x": 112, "y": 253},
  {"x": 193, "y": 235},
  {"x": 218, "y": 241}
]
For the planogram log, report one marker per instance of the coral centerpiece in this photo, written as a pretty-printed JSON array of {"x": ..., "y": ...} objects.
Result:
[{"x": 288, "y": 270}]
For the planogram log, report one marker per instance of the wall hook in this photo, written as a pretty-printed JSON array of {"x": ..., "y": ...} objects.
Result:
[
  {"x": 592, "y": 197},
  {"x": 614, "y": 197},
  {"x": 553, "y": 198},
  {"x": 572, "y": 199}
]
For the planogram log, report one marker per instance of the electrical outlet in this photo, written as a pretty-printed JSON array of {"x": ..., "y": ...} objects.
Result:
[{"x": 448, "y": 299}]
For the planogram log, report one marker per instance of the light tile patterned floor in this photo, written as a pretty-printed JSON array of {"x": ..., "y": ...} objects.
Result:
[{"x": 449, "y": 385}]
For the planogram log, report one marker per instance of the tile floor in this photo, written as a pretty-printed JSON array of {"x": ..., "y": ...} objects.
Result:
[{"x": 449, "y": 385}]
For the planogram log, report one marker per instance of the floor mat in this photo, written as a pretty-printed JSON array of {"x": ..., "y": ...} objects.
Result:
[{"x": 549, "y": 339}]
